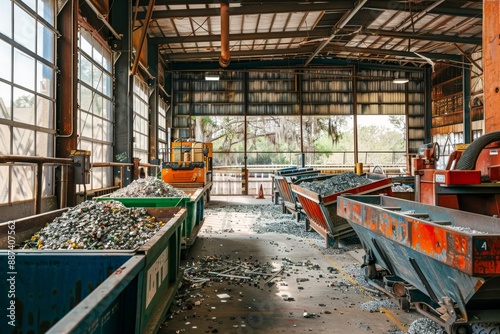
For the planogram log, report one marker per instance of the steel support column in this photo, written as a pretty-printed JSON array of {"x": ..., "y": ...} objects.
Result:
[
  {"x": 298, "y": 83},
  {"x": 428, "y": 104},
  {"x": 355, "y": 112},
  {"x": 153, "y": 101},
  {"x": 491, "y": 64},
  {"x": 245, "y": 135},
  {"x": 121, "y": 18},
  {"x": 67, "y": 113},
  {"x": 466, "y": 103}
]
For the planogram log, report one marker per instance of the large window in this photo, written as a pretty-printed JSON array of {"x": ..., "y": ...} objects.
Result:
[
  {"x": 381, "y": 140},
  {"x": 328, "y": 140},
  {"x": 162, "y": 127},
  {"x": 141, "y": 120},
  {"x": 226, "y": 133},
  {"x": 95, "y": 107},
  {"x": 27, "y": 100},
  {"x": 273, "y": 140},
  {"x": 447, "y": 144}
]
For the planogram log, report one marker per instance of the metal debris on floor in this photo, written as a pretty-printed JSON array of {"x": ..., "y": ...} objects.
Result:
[
  {"x": 214, "y": 283},
  {"x": 378, "y": 305},
  {"x": 148, "y": 187},
  {"x": 96, "y": 225},
  {"x": 425, "y": 326},
  {"x": 222, "y": 268},
  {"x": 270, "y": 219}
]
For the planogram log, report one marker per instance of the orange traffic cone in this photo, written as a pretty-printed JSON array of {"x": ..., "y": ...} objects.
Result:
[{"x": 261, "y": 193}]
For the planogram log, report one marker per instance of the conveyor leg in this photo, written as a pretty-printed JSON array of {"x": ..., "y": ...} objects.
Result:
[
  {"x": 308, "y": 225},
  {"x": 369, "y": 265},
  {"x": 451, "y": 313},
  {"x": 332, "y": 241}
]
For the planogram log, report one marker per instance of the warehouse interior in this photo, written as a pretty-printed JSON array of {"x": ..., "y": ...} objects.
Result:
[{"x": 294, "y": 139}]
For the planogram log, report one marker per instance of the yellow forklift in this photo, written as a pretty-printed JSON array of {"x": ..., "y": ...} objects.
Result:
[{"x": 189, "y": 165}]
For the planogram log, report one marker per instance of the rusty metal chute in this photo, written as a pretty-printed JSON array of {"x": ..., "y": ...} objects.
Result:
[{"x": 447, "y": 260}]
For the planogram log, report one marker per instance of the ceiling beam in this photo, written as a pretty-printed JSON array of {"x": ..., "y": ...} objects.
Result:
[
  {"x": 214, "y": 55},
  {"x": 246, "y": 10},
  {"x": 339, "y": 25},
  {"x": 319, "y": 33},
  {"x": 418, "y": 36},
  {"x": 257, "y": 7},
  {"x": 316, "y": 33}
]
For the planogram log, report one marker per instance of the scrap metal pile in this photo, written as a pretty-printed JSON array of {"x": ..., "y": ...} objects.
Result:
[
  {"x": 96, "y": 225},
  {"x": 149, "y": 187},
  {"x": 336, "y": 183},
  {"x": 402, "y": 188},
  {"x": 221, "y": 268}
]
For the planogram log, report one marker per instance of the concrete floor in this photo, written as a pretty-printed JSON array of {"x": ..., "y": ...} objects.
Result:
[{"x": 334, "y": 298}]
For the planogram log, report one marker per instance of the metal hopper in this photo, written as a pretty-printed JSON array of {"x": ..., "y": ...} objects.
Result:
[
  {"x": 321, "y": 210},
  {"x": 444, "y": 262}
]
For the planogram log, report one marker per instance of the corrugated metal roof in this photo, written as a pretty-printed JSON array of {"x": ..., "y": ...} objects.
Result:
[{"x": 371, "y": 31}]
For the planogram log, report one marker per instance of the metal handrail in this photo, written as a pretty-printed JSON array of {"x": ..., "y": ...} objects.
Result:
[{"x": 39, "y": 162}]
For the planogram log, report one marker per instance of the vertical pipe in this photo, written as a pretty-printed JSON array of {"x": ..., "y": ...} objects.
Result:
[
  {"x": 63, "y": 187},
  {"x": 301, "y": 115},
  {"x": 38, "y": 188},
  {"x": 355, "y": 113},
  {"x": 135, "y": 170},
  {"x": 66, "y": 109},
  {"x": 245, "y": 128},
  {"x": 428, "y": 105},
  {"x": 407, "y": 129},
  {"x": 225, "y": 57},
  {"x": 466, "y": 103},
  {"x": 153, "y": 101}
]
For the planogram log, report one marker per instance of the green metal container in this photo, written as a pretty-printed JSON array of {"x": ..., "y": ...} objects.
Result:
[
  {"x": 162, "y": 274},
  {"x": 54, "y": 288},
  {"x": 194, "y": 204}
]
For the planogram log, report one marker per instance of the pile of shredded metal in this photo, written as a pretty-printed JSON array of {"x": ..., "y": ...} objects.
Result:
[
  {"x": 148, "y": 187},
  {"x": 336, "y": 183},
  {"x": 402, "y": 188},
  {"x": 96, "y": 225},
  {"x": 218, "y": 268},
  {"x": 425, "y": 326}
]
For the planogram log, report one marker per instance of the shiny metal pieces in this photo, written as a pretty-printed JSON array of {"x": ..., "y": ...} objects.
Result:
[
  {"x": 402, "y": 188},
  {"x": 97, "y": 225},
  {"x": 149, "y": 187},
  {"x": 336, "y": 183}
]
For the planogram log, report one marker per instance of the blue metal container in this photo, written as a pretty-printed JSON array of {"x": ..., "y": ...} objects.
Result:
[{"x": 46, "y": 286}]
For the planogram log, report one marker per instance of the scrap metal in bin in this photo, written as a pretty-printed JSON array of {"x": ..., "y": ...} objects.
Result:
[
  {"x": 51, "y": 284},
  {"x": 321, "y": 209},
  {"x": 194, "y": 204},
  {"x": 283, "y": 180}
]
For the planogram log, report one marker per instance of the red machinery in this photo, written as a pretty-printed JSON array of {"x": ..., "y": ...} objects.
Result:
[{"x": 469, "y": 181}]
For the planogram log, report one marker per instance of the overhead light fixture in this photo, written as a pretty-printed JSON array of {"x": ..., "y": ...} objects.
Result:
[
  {"x": 211, "y": 77},
  {"x": 400, "y": 80}
]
